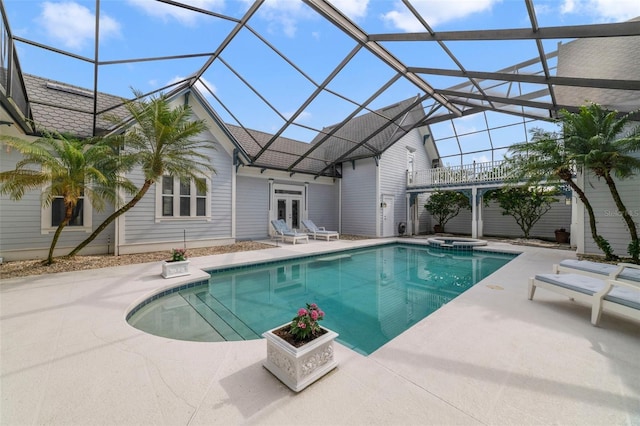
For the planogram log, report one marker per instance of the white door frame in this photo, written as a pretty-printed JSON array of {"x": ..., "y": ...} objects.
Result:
[
  {"x": 289, "y": 194},
  {"x": 388, "y": 219}
]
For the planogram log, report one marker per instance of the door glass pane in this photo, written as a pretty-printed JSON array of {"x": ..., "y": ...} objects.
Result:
[
  {"x": 294, "y": 214},
  {"x": 282, "y": 210}
]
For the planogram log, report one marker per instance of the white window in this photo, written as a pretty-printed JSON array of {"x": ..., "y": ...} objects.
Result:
[
  {"x": 53, "y": 215},
  {"x": 180, "y": 198},
  {"x": 411, "y": 158}
]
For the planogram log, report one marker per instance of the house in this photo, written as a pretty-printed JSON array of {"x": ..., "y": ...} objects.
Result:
[{"x": 363, "y": 193}]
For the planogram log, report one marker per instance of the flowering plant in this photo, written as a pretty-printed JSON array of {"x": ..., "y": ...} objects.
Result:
[
  {"x": 178, "y": 255},
  {"x": 305, "y": 325}
]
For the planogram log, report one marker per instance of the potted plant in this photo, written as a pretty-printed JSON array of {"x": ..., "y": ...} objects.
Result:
[
  {"x": 177, "y": 266},
  {"x": 300, "y": 352},
  {"x": 562, "y": 236},
  {"x": 445, "y": 205}
]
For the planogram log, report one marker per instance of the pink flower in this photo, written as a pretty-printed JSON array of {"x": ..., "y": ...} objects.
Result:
[
  {"x": 314, "y": 306},
  {"x": 302, "y": 312},
  {"x": 314, "y": 315},
  {"x": 320, "y": 314},
  {"x": 302, "y": 325}
]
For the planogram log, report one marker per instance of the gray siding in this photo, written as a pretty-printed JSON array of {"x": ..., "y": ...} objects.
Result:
[
  {"x": 252, "y": 213},
  {"x": 393, "y": 172},
  {"x": 424, "y": 218},
  {"x": 610, "y": 223},
  {"x": 359, "y": 198},
  {"x": 498, "y": 225},
  {"x": 141, "y": 225},
  {"x": 323, "y": 205},
  {"x": 20, "y": 230},
  {"x": 495, "y": 224}
]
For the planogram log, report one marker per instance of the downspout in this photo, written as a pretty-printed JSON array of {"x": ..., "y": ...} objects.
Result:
[
  {"x": 340, "y": 205},
  {"x": 378, "y": 203}
]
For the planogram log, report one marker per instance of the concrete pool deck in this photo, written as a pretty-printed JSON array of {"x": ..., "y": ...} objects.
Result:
[{"x": 489, "y": 357}]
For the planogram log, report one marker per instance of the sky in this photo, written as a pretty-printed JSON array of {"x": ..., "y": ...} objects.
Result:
[{"x": 147, "y": 29}]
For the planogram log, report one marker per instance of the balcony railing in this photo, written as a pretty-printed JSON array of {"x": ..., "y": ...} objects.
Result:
[{"x": 492, "y": 171}]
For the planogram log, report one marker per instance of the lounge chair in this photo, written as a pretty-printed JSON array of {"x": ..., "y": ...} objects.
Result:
[
  {"x": 608, "y": 293},
  {"x": 284, "y": 233},
  {"x": 319, "y": 232},
  {"x": 596, "y": 270}
]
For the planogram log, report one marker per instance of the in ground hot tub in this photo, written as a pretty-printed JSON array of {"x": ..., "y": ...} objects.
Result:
[{"x": 455, "y": 243}]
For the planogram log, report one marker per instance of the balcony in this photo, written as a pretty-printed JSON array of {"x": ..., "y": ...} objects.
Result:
[{"x": 464, "y": 175}]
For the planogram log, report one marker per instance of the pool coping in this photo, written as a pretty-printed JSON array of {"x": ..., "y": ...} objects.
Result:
[{"x": 69, "y": 357}]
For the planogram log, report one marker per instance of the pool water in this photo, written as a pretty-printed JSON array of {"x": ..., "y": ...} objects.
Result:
[{"x": 369, "y": 296}]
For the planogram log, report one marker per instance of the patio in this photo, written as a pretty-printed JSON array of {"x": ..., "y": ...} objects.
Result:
[{"x": 489, "y": 357}]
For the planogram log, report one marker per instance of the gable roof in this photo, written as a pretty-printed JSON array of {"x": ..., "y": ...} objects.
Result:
[{"x": 69, "y": 109}]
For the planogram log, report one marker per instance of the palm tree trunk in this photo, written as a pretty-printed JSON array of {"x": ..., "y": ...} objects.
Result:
[
  {"x": 49, "y": 260},
  {"x": 113, "y": 216},
  {"x": 623, "y": 211},
  {"x": 68, "y": 214},
  {"x": 600, "y": 241}
]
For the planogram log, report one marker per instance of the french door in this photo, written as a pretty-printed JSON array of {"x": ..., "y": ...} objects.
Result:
[{"x": 289, "y": 209}]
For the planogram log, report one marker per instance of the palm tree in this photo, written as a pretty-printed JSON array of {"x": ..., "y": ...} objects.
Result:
[
  {"x": 544, "y": 159},
  {"x": 160, "y": 141},
  {"x": 599, "y": 141},
  {"x": 66, "y": 168}
]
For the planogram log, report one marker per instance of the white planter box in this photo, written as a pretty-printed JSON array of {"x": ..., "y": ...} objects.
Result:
[
  {"x": 299, "y": 367},
  {"x": 175, "y": 269}
]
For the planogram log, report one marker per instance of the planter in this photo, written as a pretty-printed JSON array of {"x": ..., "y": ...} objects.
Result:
[
  {"x": 299, "y": 367},
  {"x": 438, "y": 229},
  {"x": 172, "y": 269},
  {"x": 562, "y": 236}
]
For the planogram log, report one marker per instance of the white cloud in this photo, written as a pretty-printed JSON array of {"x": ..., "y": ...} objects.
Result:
[
  {"x": 603, "y": 10},
  {"x": 283, "y": 15},
  {"x": 568, "y": 6},
  {"x": 481, "y": 159},
  {"x": 201, "y": 85},
  {"x": 304, "y": 116},
  {"x": 435, "y": 12},
  {"x": 167, "y": 12},
  {"x": 354, "y": 9},
  {"x": 74, "y": 25}
]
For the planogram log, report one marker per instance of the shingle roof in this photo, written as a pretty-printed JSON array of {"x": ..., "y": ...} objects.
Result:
[
  {"x": 347, "y": 137},
  {"x": 69, "y": 109}
]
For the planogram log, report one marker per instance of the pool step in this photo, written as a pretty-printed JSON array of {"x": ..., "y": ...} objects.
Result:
[
  {"x": 219, "y": 317},
  {"x": 229, "y": 317}
]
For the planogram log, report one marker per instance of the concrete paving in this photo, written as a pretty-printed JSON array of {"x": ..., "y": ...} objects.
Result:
[{"x": 490, "y": 357}]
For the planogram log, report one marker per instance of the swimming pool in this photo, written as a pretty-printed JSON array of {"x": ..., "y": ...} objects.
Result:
[{"x": 369, "y": 295}]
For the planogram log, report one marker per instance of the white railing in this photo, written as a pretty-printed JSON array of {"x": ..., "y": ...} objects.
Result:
[{"x": 468, "y": 173}]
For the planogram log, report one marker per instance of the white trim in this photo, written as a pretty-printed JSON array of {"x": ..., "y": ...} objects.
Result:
[
  {"x": 87, "y": 219},
  {"x": 378, "y": 204},
  {"x": 167, "y": 246},
  {"x": 234, "y": 200},
  {"x": 257, "y": 172},
  {"x": 176, "y": 201}
]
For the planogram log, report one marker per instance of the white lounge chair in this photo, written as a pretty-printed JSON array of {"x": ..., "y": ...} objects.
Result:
[
  {"x": 596, "y": 270},
  {"x": 319, "y": 231},
  {"x": 284, "y": 233},
  {"x": 608, "y": 293}
]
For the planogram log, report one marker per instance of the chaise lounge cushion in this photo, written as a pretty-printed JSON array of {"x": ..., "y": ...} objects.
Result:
[
  {"x": 588, "y": 285},
  {"x": 601, "y": 268}
]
